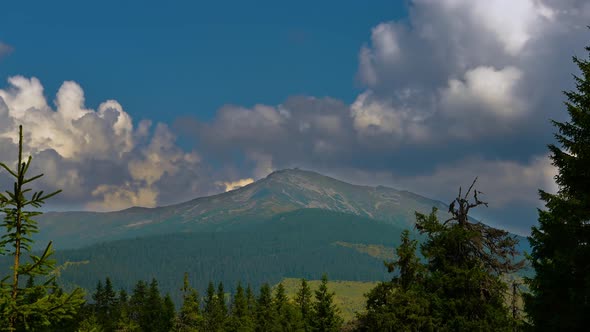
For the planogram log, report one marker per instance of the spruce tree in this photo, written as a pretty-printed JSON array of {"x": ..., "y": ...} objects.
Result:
[
  {"x": 154, "y": 309},
  {"x": 189, "y": 317},
  {"x": 303, "y": 302},
  {"x": 167, "y": 315},
  {"x": 560, "y": 289},
  {"x": 325, "y": 315},
  {"x": 264, "y": 310},
  {"x": 401, "y": 304},
  {"x": 16, "y": 241},
  {"x": 137, "y": 305},
  {"x": 105, "y": 305},
  {"x": 221, "y": 305},
  {"x": 241, "y": 319},
  {"x": 211, "y": 311},
  {"x": 287, "y": 317},
  {"x": 125, "y": 323},
  {"x": 251, "y": 300},
  {"x": 466, "y": 262}
]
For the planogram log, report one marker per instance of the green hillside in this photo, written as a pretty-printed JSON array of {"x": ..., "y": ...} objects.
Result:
[{"x": 297, "y": 244}]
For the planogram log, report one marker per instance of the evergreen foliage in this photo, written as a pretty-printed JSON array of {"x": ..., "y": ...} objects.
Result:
[
  {"x": 32, "y": 306},
  {"x": 560, "y": 290},
  {"x": 458, "y": 288},
  {"x": 287, "y": 317},
  {"x": 189, "y": 318},
  {"x": 265, "y": 315},
  {"x": 303, "y": 303},
  {"x": 325, "y": 316}
]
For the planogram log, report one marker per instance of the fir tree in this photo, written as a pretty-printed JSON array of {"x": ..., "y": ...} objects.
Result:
[
  {"x": 211, "y": 311},
  {"x": 264, "y": 310},
  {"x": 154, "y": 309},
  {"x": 325, "y": 314},
  {"x": 241, "y": 319},
  {"x": 189, "y": 317},
  {"x": 137, "y": 305},
  {"x": 168, "y": 314},
  {"x": 16, "y": 241},
  {"x": 251, "y": 300},
  {"x": 560, "y": 289},
  {"x": 401, "y": 304},
  {"x": 105, "y": 305},
  {"x": 465, "y": 264},
  {"x": 287, "y": 317},
  {"x": 221, "y": 305},
  {"x": 303, "y": 302}
]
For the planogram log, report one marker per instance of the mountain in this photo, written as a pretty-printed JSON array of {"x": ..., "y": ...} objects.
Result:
[
  {"x": 293, "y": 223},
  {"x": 281, "y": 191}
]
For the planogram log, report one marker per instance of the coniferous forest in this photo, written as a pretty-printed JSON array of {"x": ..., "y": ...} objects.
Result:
[{"x": 458, "y": 277}]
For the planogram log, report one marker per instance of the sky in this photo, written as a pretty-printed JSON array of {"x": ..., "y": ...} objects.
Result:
[{"x": 139, "y": 103}]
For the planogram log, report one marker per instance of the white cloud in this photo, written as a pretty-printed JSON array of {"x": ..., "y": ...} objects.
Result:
[
  {"x": 467, "y": 64},
  {"x": 485, "y": 89},
  {"x": 96, "y": 157},
  {"x": 232, "y": 185},
  {"x": 503, "y": 181},
  {"x": 117, "y": 197}
]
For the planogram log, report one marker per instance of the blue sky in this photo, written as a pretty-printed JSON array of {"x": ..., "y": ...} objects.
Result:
[
  {"x": 156, "y": 57},
  {"x": 136, "y": 103}
]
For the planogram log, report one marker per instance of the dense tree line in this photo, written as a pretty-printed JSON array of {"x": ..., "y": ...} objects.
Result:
[{"x": 268, "y": 310}]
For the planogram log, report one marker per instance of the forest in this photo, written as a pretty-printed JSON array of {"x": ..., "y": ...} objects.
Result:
[{"x": 454, "y": 280}]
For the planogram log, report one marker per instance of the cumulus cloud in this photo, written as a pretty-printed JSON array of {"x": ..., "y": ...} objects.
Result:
[
  {"x": 471, "y": 63},
  {"x": 96, "y": 156}
]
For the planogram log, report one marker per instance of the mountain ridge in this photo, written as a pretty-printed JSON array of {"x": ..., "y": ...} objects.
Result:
[{"x": 279, "y": 192}]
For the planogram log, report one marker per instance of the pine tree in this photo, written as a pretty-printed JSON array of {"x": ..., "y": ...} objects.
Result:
[
  {"x": 287, "y": 317},
  {"x": 401, "y": 304},
  {"x": 264, "y": 310},
  {"x": 211, "y": 311},
  {"x": 154, "y": 309},
  {"x": 137, "y": 305},
  {"x": 221, "y": 305},
  {"x": 241, "y": 319},
  {"x": 105, "y": 305},
  {"x": 560, "y": 289},
  {"x": 325, "y": 314},
  {"x": 168, "y": 314},
  {"x": 465, "y": 264},
  {"x": 303, "y": 302},
  {"x": 189, "y": 317},
  {"x": 251, "y": 300},
  {"x": 16, "y": 241},
  {"x": 125, "y": 323}
]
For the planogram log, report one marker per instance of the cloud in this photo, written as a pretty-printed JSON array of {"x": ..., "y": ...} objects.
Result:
[
  {"x": 96, "y": 156},
  {"x": 229, "y": 186},
  {"x": 458, "y": 88},
  {"x": 465, "y": 64}
]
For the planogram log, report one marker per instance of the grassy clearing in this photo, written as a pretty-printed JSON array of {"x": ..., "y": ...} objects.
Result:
[{"x": 349, "y": 296}]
